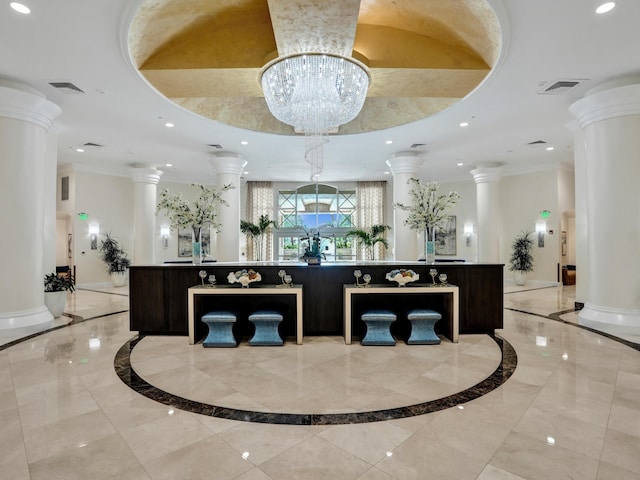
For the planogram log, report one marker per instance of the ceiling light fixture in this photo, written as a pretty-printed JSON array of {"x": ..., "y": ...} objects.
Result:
[
  {"x": 169, "y": 125},
  {"x": 605, "y": 7},
  {"x": 315, "y": 93},
  {"x": 550, "y": 148},
  {"x": 20, "y": 8},
  {"x": 389, "y": 142},
  {"x": 80, "y": 150},
  {"x": 464, "y": 124}
]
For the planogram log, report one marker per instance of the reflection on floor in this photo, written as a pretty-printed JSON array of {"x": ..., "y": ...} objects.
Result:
[{"x": 570, "y": 410}]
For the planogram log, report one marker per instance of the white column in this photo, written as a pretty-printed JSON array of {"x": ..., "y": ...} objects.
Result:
[
  {"x": 25, "y": 118},
  {"x": 609, "y": 115},
  {"x": 145, "y": 189},
  {"x": 488, "y": 205},
  {"x": 227, "y": 167},
  {"x": 404, "y": 166}
]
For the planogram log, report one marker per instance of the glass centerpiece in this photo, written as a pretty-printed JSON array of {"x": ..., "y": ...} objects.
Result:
[
  {"x": 202, "y": 213},
  {"x": 429, "y": 209}
]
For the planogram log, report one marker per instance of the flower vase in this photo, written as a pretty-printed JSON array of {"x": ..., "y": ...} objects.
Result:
[
  {"x": 430, "y": 245},
  {"x": 196, "y": 248}
]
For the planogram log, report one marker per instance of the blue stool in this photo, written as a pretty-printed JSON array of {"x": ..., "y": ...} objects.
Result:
[
  {"x": 220, "y": 329},
  {"x": 422, "y": 323},
  {"x": 266, "y": 328},
  {"x": 378, "y": 324}
]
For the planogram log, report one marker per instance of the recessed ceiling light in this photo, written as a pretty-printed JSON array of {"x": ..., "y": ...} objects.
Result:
[
  {"x": 387, "y": 173},
  {"x": 464, "y": 124},
  {"x": 244, "y": 142},
  {"x": 245, "y": 173},
  {"x": 20, "y": 8},
  {"x": 389, "y": 142},
  {"x": 605, "y": 7},
  {"x": 169, "y": 124},
  {"x": 80, "y": 150},
  {"x": 169, "y": 165},
  {"x": 550, "y": 148},
  {"x": 459, "y": 164}
]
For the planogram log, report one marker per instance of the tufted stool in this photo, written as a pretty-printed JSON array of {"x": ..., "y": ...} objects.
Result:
[
  {"x": 378, "y": 324},
  {"x": 220, "y": 329},
  {"x": 422, "y": 323},
  {"x": 266, "y": 328}
]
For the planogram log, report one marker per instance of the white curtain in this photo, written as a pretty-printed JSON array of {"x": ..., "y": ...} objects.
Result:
[
  {"x": 371, "y": 202},
  {"x": 260, "y": 202}
]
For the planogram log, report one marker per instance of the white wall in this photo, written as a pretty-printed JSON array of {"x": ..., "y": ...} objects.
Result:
[
  {"x": 523, "y": 197},
  {"x": 108, "y": 200}
]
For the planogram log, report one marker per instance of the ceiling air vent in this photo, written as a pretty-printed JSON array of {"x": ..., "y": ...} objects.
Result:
[
  {"x": 66, "y": 87},
  {"x": 214, "y": 145},
  {"x": 418, "y": 145},
  {"x": 91, "y": 144},
  {"x": 559, "y": 87}
]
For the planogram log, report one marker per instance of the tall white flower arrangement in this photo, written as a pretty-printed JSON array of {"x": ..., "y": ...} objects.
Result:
[
  {"x": 429, "y": 208},
  {"x": 202, "y": 213}
]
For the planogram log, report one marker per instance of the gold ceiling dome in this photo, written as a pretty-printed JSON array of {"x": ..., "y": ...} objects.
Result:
[{"x": 422, "y": 56}]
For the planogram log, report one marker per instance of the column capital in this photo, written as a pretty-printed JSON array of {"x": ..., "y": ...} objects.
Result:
[
  {"x": 486, "y": 173},
  {"x": 611, "y": 99},
  {"x": 228, "y": 162},
  {"x": 405, "y": 162},
  {"x": 146, "y": 175},
  {"x": 27, "y": 106}
]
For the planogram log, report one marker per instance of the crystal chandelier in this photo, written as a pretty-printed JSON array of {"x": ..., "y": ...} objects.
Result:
[{"x": 315, "y": 93}]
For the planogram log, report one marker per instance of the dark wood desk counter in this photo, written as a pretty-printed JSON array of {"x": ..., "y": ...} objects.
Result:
[{"x": 158, "y": 294}]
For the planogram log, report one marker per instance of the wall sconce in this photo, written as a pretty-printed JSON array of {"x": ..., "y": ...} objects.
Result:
[
  {"x": 164, "y": 231},
  {"x": 94, "y": 230},
  {"x": 541, "y": 227},
  {"x": 468, "y": 231}
]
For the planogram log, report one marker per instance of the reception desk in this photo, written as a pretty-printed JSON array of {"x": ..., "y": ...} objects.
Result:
[{"x": 158, "y": 294}]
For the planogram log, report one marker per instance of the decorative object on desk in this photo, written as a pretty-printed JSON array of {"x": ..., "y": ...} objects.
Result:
[
  {"x": 443, "y": 278},
  {"x": 366, "y": 278},
  {"x": 202, "y": 274},
  {"x": 402, "y": 276},
  {"x": 244, "y": 277},
  {"x": 433, "y": 272},
  {"x": 312, "y": 254},
  {"x": 428, "y": 211},
  {"x": 212, "y": 280},
  {"x": 115, "y": 258},
  {"x": 202, "y": 213},
  {"x": 368, "y": 239},
  {"x": 521, "y": 260},
  {"x": 286, "y": 279},
  {"x": 55, "y": 292},
  {"x": 256, "y": 233},
  {"x": 185, "y": 242}
]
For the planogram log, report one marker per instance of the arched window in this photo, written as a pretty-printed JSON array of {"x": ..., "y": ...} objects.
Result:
[{"x": 315, "y": 208}]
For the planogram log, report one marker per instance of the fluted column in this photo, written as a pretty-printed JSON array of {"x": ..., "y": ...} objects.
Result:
[
  {"x": 609, "y": 116},
  {"x": 25, "y": 118},
  {"x": 227, "y": 167},
  {"x": 403, "y": 166},
  {"x": 488, "y": 205},
  {"x": 145, "y": 189}
]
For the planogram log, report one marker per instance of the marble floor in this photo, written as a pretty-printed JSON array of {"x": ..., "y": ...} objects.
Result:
[{"x": 569, "y": 410}]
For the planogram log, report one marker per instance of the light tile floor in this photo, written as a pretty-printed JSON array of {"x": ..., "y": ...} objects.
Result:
[{"x": 571, "y": 409}]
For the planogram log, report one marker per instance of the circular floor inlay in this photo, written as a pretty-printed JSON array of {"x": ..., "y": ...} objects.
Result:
[{"x": 505, "y": 368}]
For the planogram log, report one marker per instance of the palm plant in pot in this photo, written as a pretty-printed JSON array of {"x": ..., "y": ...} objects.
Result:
[
  {"x": 370, "y": 238},
  {"x": 55, "y": 292},
  {"x": 521, "y": 260},
  {"x": 115, "y": 259},
  {"x": 257, "y": 232}
]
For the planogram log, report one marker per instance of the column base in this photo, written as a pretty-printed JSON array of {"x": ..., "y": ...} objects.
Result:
[
  {"x": 26, "y": 322},
  {"x": 609, "y": 320}
]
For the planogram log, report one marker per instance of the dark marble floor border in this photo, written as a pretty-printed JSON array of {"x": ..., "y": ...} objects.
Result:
[{"x": 128, "y": 375}]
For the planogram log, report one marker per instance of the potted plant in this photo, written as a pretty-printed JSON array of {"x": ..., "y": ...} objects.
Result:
[
  {"x": 429, "y": 210},
  {"x": 202, "y": 213},
  {"x": 343, "y": 247},
  {"x": 370, "y": 238},
  {"x": 55, "y": 292},
  {"x": 521, "y": 260},
  {"x": 256, "y": 233},
  {"x": 115, "y": 258}
]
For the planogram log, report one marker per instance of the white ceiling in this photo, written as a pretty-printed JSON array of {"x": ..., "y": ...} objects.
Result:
[{"x": 84, "y": 42}]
